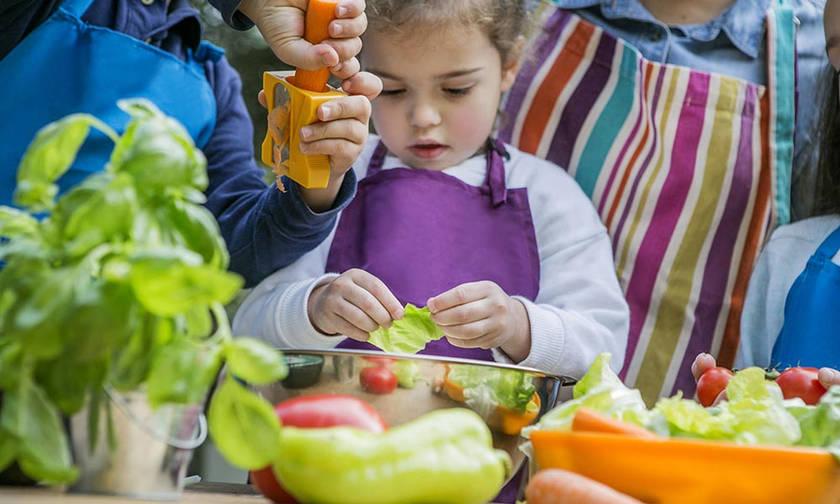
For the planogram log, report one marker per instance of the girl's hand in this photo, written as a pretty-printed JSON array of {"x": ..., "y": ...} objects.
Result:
[
  {"x": 354, "y": 304},
  {"x": 829, "y": 377},
  {"x": 341, "y": 134},
  {"x": 482, "y": 315}
]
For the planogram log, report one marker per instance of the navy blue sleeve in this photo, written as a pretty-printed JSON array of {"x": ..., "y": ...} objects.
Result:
[
  {"x": 230, "y": 13},
  {"x": 19, "y": 17},
  {"x": 264, "y": 228}
]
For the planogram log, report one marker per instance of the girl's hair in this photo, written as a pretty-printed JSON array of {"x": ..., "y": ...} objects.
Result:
[
  {"x": 504, "y": 21},
  {"x": 828, "y": 139}
]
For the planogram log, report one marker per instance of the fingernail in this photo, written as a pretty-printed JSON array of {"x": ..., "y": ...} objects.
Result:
[
  {"x": 343, "y": 10},
  {"x": 326, "y": 112},
  {"x": 832, "y": 373},
  {"x": 305, "y": 133},
  {"x": 336, "y": 29}
]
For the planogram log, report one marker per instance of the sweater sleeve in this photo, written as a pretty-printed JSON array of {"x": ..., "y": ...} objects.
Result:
[
  {"x": 761, "y": 319},
  {"x": 580, "y": 309},
  {"x": 264, "y": 228},
  {"x": 229, "y": 9}
]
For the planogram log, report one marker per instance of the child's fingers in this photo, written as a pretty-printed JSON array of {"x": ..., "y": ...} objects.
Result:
[
  {"x": 345, "y": 47},
  {"x": 346, "y": 107},
  {"x": 372, "y": 308},
  {"x": 345, "y": 130},
  {"x": 355, "y": 315},
  {"x": 463, "y": 314},
  {"x": 364, "y": 84},
  {"x": 381, "y": 292},
  {"x": 829, "y": 377},
  {"x": 346, "y": 69},
  {"x": 342, "y": 326},
  {"x": 702, "y": 363},
  {"x": 462, "y": 294}
]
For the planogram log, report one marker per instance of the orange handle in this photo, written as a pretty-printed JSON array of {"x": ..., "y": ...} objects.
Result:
[{"x": 319, "y": 14}]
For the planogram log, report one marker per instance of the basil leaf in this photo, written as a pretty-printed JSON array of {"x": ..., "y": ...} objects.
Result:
[
  {"x": 182, "y": 372},
  {"x": 49, "y": 156},
  {"x": 243, "y": 426},
  {"x": 254, "y": 361},
  {"x": 30, "y": 417},
  {"x": 14, "y": 223}
]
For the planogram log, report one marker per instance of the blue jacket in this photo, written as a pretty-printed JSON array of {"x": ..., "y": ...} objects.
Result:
[{"x": 265, "y": 229}]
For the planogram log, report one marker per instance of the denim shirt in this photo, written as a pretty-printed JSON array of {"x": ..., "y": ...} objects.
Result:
[{"x": 733, "y": 44}]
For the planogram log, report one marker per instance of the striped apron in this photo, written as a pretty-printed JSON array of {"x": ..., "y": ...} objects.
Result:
[{"x": 689, "y": 171}]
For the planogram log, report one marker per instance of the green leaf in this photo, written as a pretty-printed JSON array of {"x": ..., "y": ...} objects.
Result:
[
  {"x": 254, "y": 361},
  {"x": 409, "y": 334},
  {"x": 30, "y": 417},
  {"x": 243, "y": 426},
  {"x": 8, "y": 448},
  {"x": 15, "y": 223},
  {"x": 195, "y": 227},
  {"x": 132, "y": 362},
  {"x": 182, "y": 372},
  {"x": 408, "y": 373},
  {"x": 49, "y": 156},
  {"x": 168, "y": 286},
  {"x": 67, "y": 382},
  {"x": 104, "y": 215},
  {"x": 820, "y": 424},
  {"x": 491, "y": 387}
]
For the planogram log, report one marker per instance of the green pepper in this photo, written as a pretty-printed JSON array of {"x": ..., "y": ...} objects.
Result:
[{"x": 445, "y": 456}]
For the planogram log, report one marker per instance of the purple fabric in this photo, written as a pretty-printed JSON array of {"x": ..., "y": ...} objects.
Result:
[{"x": 424, "y": 232}]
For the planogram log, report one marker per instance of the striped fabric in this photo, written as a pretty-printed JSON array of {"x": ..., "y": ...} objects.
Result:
[{"x": 689, "y": 171}]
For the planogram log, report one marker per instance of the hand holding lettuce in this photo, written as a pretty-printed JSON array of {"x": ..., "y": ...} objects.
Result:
[
  {"x": 409, "y": 334},
  {"x": 755, "y": 412}
]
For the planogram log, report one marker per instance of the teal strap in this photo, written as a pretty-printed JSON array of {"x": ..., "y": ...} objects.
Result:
[{"x": 781, "y": 80}]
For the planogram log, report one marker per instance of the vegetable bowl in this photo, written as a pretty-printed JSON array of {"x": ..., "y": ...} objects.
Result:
[
  {"x": 692, "y": 471},
  {"x": 404, "y": 387}
]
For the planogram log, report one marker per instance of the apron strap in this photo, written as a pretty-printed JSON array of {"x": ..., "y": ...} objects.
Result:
[
  {"x": 377, "y": 160},
  {"x": 781, "y": 84},
  {"x": 830, "y": 245},
  {"x": 495, "y": 179},
  {"x": 76, "y": 7}
]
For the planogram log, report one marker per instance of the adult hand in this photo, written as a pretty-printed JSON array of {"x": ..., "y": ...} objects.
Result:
[
  {"x": 354, "y": 304},
  {"x": 281, "y": 23},
  {"x": 482, "y": 315}
]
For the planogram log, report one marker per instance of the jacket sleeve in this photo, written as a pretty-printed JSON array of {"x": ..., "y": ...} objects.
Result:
[
  {"x": 230, "y": 13},
  {"x": 264, "y": 228},
  {"x": 19, "y": 17}
]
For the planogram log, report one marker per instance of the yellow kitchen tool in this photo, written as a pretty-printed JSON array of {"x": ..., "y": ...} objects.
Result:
[{"x": 293, "y": 98}]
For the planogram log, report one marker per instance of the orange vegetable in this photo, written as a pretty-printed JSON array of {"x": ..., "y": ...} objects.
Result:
[
  {"x": 502, "y": 419},
  {"x": 589, "y": 420},
  {"x": 556, "y": 486},
  {"x": 319, "y": 14}
]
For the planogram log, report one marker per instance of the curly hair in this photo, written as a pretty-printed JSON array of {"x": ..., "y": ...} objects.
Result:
[{"x": 504, "y": 21}]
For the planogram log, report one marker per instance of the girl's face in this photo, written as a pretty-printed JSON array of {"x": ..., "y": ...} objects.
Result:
[
  {"x": 831, "y": 23},
  {"x": 441, "y": 92}
]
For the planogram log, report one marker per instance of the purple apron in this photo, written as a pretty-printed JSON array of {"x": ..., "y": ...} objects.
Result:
[{"x": 424, "y": 232}]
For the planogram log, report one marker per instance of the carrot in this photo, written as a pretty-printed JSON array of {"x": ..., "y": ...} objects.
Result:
[
  {"x": 556, "y": 486},
  {"x": 588, "y": 420},
  {"x": 319, "y": 14}
]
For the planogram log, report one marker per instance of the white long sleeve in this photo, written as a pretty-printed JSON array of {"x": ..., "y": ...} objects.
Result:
[{"x": 579, "y": 311}]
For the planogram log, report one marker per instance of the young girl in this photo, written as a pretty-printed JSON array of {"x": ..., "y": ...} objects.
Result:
[
  {"x": 504, "y": 248},
  {"x": 792, "y": 311}
]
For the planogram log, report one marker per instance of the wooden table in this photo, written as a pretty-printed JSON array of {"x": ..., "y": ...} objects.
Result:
[{"x": 213, "y": 493}]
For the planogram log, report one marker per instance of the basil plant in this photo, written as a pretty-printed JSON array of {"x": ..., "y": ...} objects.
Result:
[{"x": 120, "y": 284}]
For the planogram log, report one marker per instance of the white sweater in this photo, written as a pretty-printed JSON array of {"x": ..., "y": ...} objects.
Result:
[
  {"x": 579, "y": 312},
  {"x": 782, "y": 260}
]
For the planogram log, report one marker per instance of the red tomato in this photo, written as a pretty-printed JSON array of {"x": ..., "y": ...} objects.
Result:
[
  {"x": 711, "y": 384},
  {"x": 802, "y": 382},
  {"x": 323, "y": 410},
  {"x": 378, "y": 379},
  {"x": 381, "y": 361}
]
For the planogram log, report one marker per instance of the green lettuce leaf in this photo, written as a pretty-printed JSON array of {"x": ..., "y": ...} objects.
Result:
[
  {"x": 485, "y": 388},
  {"x": 820, "y": 424},
  {"x": 409, "y": 334}
]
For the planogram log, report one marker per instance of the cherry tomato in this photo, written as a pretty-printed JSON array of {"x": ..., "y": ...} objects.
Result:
[
  {"x": 802, "y": 382},
  {"x": 381, "y": 361},
  {"x": 378, "y": 379},
  {"x": 322, "y": 410},
  {"x": 711, "y": 384}
]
